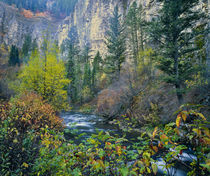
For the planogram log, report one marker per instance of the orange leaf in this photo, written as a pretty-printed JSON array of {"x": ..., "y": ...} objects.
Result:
[
  {"x": 155, "y": 149},
  {"x": 198, "y": 131},
  {"x": 101, "y": 163},
  {"x": 118, "y": 150},
  {"x": 206, "y": 140},
  {"x": 163, "y": 137},
  {"x": 154, "y": 132},
  {"x": 207, "y": 132},
  {"x": 176, "y": 131},
  {"x": 160, "y": 144},
  {"x": 171, "y": 142},
  {"x": 178, "y": 120},
  {"x": 184, "y": 116},
  {"x": 108, "y": 143}
]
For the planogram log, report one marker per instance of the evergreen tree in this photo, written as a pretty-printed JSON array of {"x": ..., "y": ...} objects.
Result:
[
  {"x": 2, "y": 29},
  {"x": 34, "y": 45},
  {"x": 71, "y": 76},
  {"x": 86, "y": 85},
  {"x": 38, "y": 5},
  {"x": 27, "y": 46},
  {"x": 86, "y": 54},
  {"x": 79, "y": 81},
  {"x": 115, "y": 44},
  {"x": 71, "y": 46},
  {"x": 14, "y": 56},
  {"x": 136, "y": 24},
  {"x": 96, "y": 69},
  {"x": 87, "y": 71},
  {"x": 71, "y": 72},
  {"x": 87, "y": 76},
  {"x": 59, "y": 7},
  {"x": 64, "y": 6},
  {"x": 174, "y": 29}
]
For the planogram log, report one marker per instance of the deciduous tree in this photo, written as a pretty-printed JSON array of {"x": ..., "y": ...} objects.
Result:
[{"x": 47, "y": 77}]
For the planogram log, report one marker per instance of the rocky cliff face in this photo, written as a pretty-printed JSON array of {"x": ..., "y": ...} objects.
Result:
[
  {"x": 89, "y": 22},
  {"x": 14, "y": 26},
  {"x": 90, "y": 19}
]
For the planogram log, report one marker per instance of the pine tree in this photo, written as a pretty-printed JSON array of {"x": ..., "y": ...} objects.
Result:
[
  {"x": 86, "y": 54},
  {"x": 34, "y": 45},
  {"x": 71, "y": 72},
  {"x": 115, "y": 44},
  {"x": 87, "y": 71},
  {"x": 14, "y": 56},
  {"x": 27, "y": 46},
  {"x": 132, "y": 26},
  {"x": 87, "y": 76},
  {"x": 96, "y": 69},
  {"x": 174, "y": 29},
  {"x": 86, "y": 85},
  {"x": 79, "y": 81},
  {"x": 136, "y": 24}
]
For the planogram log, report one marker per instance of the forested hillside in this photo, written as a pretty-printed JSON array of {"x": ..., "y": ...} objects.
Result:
[
  {"x": 58, "y": 7},
  {"x": 92, "y": 87}
]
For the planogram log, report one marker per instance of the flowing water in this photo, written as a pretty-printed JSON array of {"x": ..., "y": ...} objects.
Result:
[
  {"x": 90, "y": 124},
  {"x": 86, "y": 123}
]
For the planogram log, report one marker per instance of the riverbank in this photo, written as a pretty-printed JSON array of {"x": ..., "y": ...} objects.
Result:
[{"x": 134, "y": 142}]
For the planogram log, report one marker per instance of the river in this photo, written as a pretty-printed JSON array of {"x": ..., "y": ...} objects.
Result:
[{"x": 89, "y": 124}]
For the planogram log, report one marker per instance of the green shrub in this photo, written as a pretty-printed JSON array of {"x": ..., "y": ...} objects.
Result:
[
  {"x": 86, "y": 108},
  {"x": 30, "y": 112},
  {"x": 21, "y": 122},
  {"x": 43, "y": 150}
]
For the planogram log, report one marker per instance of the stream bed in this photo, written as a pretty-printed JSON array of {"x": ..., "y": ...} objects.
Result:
[
  {"x": 90, "y": 124},
  {"x": 86, "y": 123}
]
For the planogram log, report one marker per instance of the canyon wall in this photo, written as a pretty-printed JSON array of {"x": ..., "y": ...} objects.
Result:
[{"x": 89, "y": 21}]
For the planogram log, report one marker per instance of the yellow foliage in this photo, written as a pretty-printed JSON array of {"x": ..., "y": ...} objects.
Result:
[
  {"x": 119, "y": 150},
  {"x": 48, "y": 140},
  {"x": 46, "y": 76},
  {"x": 30, "y": 112},
  {"x": 25, "y": 165},
  {"x": 154, "y": 132},
  {"x": 184, "y": 115},
  {"x": 145, "y": 58},
  {"x": 164, "y": 138},
  {"x": 197, "y": 80},
  {"x": 103, "y": 77},
  {"x": 178, "y": 120},
  {"x": 86, "y": 92}
]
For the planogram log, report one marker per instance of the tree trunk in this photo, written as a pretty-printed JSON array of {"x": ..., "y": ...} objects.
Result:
[
  {"x": 134, "y": 50},
  {"x": 142, "y": 44},
  {"x": 142, "y": 40},
  {"x": 45, "y": 69},
  {"x": 176, "y": 70},
  {"x": 118, "y": 70},
  {"x": 208, "y": 48},
  {"x": 179, "y": 94},
  {"x": 2, "y": 27}
]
